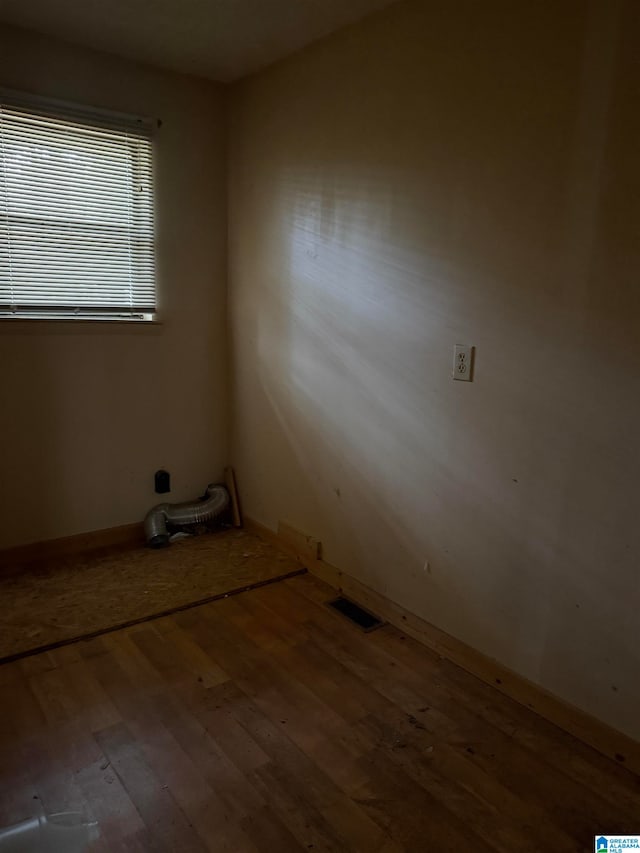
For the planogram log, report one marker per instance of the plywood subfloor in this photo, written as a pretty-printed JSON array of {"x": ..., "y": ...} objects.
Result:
[
  {"x": 266, "y": 723},
  {"x": 65, "y": 599}
]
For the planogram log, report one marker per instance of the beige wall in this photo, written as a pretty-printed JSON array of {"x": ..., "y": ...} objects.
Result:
[
  {"x": 441, "y": 173},
  {"x": 89, "y": 412}
]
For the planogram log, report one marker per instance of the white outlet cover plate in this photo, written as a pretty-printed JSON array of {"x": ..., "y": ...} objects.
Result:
[{"x": 463, "y": 362}]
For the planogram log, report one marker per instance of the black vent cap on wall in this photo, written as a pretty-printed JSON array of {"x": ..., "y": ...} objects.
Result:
[
  {"x": 356, "y": 614},
  {"x": 162, "y": 481}
]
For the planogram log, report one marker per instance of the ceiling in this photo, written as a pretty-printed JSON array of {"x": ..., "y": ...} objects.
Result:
[{"x": 218, "y": 39}]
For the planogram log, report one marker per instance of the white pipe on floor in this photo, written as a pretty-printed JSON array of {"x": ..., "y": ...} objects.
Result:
[{"x": 66, "y": 832}]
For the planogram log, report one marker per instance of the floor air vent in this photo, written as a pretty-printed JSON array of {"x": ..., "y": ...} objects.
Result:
[{"x": 356, "y": 614}]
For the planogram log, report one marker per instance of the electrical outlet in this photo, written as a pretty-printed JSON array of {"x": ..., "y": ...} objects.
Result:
[{"x": 463, "y": 362}]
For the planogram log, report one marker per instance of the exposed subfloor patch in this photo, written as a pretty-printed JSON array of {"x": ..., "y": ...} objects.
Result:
[{"x": 52, "y": 604}]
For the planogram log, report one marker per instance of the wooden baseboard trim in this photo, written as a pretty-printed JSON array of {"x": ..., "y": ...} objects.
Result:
[
  {"x": 602, "y": 737},
  {"x": 270, "y": 536},
  {"x": 127, "y": 535}
]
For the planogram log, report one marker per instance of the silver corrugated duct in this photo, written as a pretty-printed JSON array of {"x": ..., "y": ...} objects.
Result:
[{"x": 193, "y": 512}]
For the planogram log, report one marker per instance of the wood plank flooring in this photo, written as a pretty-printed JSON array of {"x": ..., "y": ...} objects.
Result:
[{"x": 266, "y": 722}]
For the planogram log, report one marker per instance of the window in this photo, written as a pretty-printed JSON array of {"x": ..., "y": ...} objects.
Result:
[{"x": 76, "y": 213}]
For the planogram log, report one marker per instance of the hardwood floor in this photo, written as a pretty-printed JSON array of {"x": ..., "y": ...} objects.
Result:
[{"x": 265, "y": 722}]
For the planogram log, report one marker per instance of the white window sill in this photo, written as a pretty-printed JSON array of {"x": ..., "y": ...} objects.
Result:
[{"x": 148, "y": 320}]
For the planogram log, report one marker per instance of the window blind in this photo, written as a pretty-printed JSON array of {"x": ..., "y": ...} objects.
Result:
[{"x": 76, "y": 213}]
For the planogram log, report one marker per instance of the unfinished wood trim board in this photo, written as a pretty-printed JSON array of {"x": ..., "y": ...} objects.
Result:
[
  {"x": 304, "y": 548},
  {"x": 127, "y": 535},
  {"x": 230, "y": 483},
  {"x": 590, "y": 730}
]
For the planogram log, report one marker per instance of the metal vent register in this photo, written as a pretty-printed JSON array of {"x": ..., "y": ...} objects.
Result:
[{"x": 356, "y": 614}]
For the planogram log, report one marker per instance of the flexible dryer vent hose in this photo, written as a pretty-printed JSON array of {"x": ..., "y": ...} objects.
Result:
[{"x": 194, "y": 512}]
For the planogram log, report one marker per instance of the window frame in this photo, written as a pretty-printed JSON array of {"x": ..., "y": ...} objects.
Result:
[{"x": 101, "y": 118}]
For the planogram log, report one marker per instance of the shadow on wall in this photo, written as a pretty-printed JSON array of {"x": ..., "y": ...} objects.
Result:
[
  {"x": 32, "y": 402},
  {"x": 337, "y": 352},
  {"x": 68, "y": 416},
  {"x": 486, "y": 219}
]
